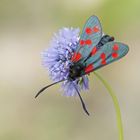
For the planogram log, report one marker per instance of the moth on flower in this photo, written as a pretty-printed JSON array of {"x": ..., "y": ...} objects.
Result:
[{"x": 71, "y": 58}]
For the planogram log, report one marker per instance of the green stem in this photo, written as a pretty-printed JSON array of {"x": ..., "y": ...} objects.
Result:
[{"x": 116, "y": 105}]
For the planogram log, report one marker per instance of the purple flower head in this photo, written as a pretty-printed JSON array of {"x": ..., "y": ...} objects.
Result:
[{"x": 57, "y": 59}]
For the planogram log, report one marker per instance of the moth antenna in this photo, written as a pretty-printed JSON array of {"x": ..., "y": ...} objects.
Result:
[
  {"x": 82, "y": 102},
  {"x": 44, "y": 88}
]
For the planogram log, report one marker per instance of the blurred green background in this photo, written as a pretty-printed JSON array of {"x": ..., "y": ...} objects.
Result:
[{"x": 26, "y": 27}]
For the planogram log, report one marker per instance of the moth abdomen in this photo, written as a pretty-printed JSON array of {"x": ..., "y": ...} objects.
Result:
[{"x": 105, "y": 39}]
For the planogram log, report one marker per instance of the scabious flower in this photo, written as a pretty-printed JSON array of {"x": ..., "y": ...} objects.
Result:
[{"x": 57, "y": 59}]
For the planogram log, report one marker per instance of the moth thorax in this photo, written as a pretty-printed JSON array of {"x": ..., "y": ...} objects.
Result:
[{"x": 75, "y": 71}]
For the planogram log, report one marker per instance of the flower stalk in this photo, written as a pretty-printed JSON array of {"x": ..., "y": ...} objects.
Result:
[{"x": 116, "y": 105}]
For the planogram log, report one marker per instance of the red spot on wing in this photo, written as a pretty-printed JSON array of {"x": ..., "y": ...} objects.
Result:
[
  {"x": 103, "y": 62},
  {"x": 82, "y": 42},
  {"x": 88, "y": 42},
  {"x": 114, "y": 54},
  {"x": 96, "y": 29},
  {"x": 94, "y": 50},
  {"x": 88, "y": 30},
  {"x": 89, "y": 68},
  {"x": 76, "y": 57},
  {"x": 103, "y": 55},
  {"x": 116, "y": 47}
]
